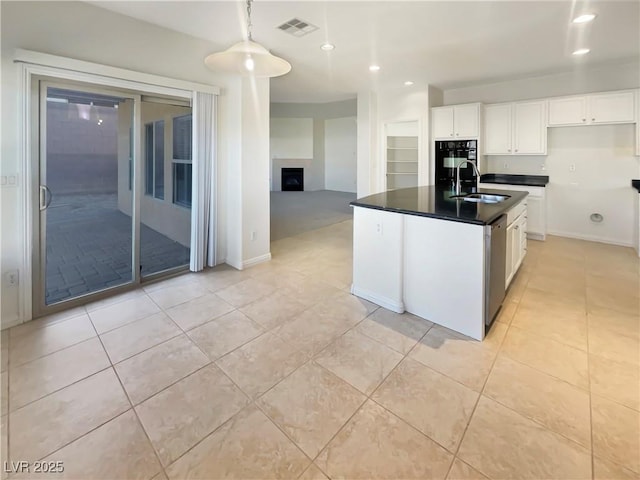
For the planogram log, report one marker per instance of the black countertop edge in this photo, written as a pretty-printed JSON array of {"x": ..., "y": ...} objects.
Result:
[
  {"x": 529, "y": 180},
  {"x": 435, "y": 202},
  {"x": 636, "y": 184}
]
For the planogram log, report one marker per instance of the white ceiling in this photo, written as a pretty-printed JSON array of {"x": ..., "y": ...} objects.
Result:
[{"x": 447, "y": 44}]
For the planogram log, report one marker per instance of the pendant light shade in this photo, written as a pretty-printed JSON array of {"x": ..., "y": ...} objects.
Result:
[{"x": 247, "y": 58}]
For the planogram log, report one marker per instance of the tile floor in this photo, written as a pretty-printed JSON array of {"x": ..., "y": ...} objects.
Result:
[{"x": 277, "y": 372}]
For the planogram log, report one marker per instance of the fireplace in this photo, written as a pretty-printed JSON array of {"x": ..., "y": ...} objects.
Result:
[{"x": 293, "y": 179}]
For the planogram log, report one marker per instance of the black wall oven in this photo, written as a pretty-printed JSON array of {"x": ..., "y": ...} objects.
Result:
[{"x": 449, "y": 154}]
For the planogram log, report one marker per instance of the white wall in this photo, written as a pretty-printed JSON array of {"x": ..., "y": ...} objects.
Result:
[
  {"x": 284, "y": 114},
  {"x": 375, "y": 109},
  {"x": 604, "y": 161},
  {"x": 291, "y": 138},
  {"x": 340, "y": 154},
  {"x": 111, "y": 39},
  {"x": 254, "y": 182},
  {"x": 581, "y": 80}
]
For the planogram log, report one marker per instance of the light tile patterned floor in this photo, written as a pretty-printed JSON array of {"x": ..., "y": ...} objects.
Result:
[{"x": 277, "y": 372}]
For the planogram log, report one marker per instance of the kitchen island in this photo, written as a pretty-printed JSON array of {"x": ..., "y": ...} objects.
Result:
[{"x": 419, "y": 250}]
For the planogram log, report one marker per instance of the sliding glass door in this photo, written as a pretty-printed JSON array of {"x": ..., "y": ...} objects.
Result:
[{"x": 100, "y": 228}]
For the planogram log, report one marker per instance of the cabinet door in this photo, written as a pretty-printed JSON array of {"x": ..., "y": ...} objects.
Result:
[
  {"x": 522, "y": 238},
  {"x": 567, "y": 111},
  {"x": 497, "y": 129},
  {"x": 508, "y": 274},
  {"x": 530, "y": 131},
  {"x": 536, "y": 221},
  {"x": 442, "y": 121},
  {"x": 611, "y": 107},
  {"x": 466, "y": 121}
]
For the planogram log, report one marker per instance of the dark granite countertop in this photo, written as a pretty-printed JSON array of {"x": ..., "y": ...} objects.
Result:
[
  {"x": 529, "y": 180},
  {"x": 636, "y": 184},
  {"x": 434, "y": 202}
]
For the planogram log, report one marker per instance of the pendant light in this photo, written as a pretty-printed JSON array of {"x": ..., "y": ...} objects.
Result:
[{"x": 248, "y": 58}]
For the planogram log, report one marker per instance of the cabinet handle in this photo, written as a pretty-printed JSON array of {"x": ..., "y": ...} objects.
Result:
[
  {"x": 584, "y": 119},
  {"x": 517, "y": 226},
  {"x": 593, "y": 119},
  {"x": 451, "y": 134},
  {"x": 508, "y": 149},
  {"x": 516, "y": 149},
  {"x": 457, "y": 134}
]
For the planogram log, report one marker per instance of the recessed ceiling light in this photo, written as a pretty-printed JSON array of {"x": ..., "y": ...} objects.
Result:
[
  {"x": 374, "y": 68},
  {"x": 327, "y": 47},
  {"x": 581, "y": 51},
  {"x": 408, "y": 83},
  {"x": 587, "y": 17}
]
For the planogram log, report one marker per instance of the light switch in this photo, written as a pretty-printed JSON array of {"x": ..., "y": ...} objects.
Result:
[
  {"x": 572, "y": 167},
  {"x": 12, "y": 180},
  {"x": 3, "y": 180}
]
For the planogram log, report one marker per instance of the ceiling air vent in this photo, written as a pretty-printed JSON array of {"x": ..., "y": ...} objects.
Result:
[{"x": 297, "y": 27}]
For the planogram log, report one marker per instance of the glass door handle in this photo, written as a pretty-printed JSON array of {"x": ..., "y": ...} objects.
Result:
[{"x": 45, "y": 197}]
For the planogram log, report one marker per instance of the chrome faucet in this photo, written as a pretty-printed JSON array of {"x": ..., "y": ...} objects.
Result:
[{"x": 475, "y": 170}]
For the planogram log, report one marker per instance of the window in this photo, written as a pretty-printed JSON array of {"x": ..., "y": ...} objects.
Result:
[
  {"x": 182, "y": 161},
  {"x": 154, "y": 159}
]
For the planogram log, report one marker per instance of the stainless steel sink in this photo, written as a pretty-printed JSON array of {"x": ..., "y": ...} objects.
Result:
[{"x": 482, "y": 197}]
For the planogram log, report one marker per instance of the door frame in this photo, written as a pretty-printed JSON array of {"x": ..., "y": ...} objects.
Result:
[{"x": 33, "y": 66}]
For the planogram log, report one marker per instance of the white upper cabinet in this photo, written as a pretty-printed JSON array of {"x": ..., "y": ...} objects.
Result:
[
  {"x": 466, "y": 120},
  {"x": 567, "y": 111},
  {"x": 617, "y": 107},
  {"x": 530, "y": 128},
  {"x": 442, "y": 120},
  {"x": 498, "y": 132},
  {"x": 456, "y": 122},
  {"x": 515, "y": 129},
  {"x": 597, "y": 108}
]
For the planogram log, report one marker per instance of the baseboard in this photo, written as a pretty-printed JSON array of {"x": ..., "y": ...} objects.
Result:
[
  {"x": 256, "y": 260},
  {"x": 387, "y": 303},
  {"x": 589, "y": 238},
  {"x": 11, "y": 322},
  {"x": 536, "y": 236}
]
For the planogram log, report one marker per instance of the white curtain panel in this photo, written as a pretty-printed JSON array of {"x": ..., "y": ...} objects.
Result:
[{"x": 203, "y": 218}]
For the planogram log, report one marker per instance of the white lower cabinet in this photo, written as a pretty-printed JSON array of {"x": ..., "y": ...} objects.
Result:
[
  {"x": 516, "y": 240},
  {"x": 536, "y": 225}
]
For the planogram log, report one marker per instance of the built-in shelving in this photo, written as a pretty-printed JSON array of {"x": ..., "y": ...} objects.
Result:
[{"x": 402, "y": 155}]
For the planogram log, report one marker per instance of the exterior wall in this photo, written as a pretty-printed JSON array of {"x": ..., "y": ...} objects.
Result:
[
  {"x": 162, "y": 215},
  {"x": 81, "y": 155}
]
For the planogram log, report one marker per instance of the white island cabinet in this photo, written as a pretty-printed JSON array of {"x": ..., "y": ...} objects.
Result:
[{"x": 417, "y": 250}]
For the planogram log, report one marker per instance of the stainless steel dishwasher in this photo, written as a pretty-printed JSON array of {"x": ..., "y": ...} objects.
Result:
[{"x": 495, "y": 261}]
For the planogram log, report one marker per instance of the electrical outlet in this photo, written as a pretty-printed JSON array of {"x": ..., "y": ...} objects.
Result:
[
  {"x": 543, "y": 167},
  {"x": 12, "y": 279},
  {"x": 572, "y": 167},
  {"x": 254, "y": 236},
  {"x": 506, "y": 166},
  {"x": 379, "y": 228}
]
